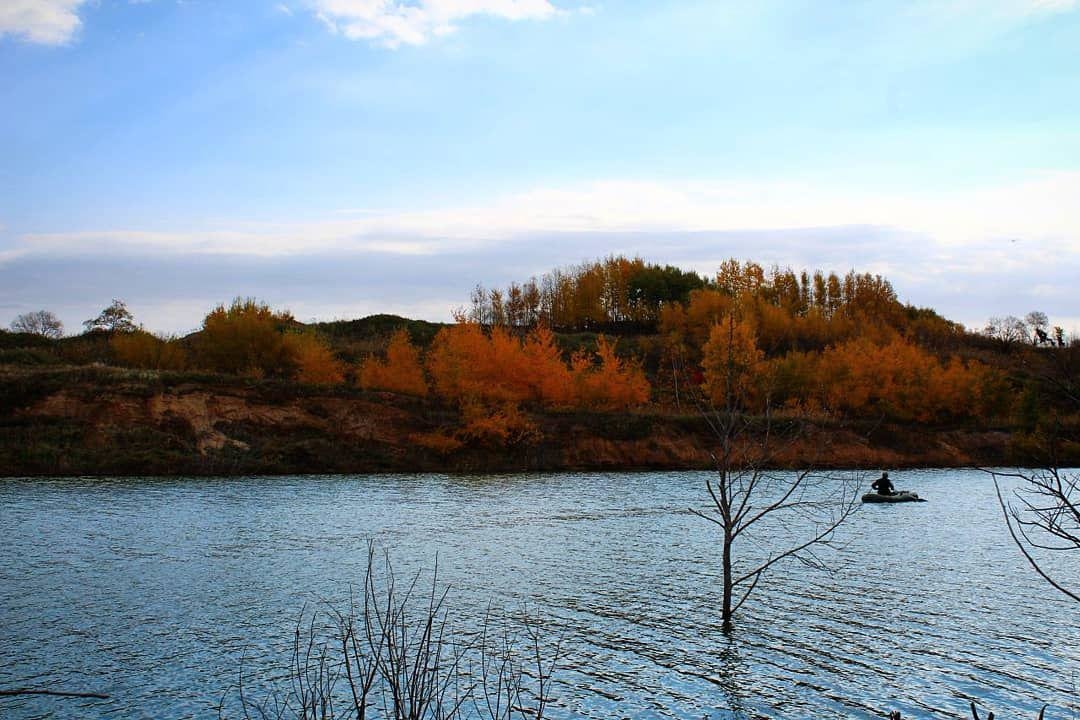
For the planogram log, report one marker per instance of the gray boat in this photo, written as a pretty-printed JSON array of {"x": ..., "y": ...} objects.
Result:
[{"x": 897, "y": 497}]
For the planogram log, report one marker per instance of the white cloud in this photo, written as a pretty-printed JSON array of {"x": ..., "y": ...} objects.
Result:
[
  {"x": 1004, "y": 216},
  {"x": 999, "y": 249},
  {"x": 49, "y": 22},
  {"x": 1049, "y": 5},
  {"x": 392, "y": 22}
]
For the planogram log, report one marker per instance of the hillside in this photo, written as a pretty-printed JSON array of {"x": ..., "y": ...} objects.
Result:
[
  {"x": 603, "y": 366},
  {"x": 85, "y": 421}
]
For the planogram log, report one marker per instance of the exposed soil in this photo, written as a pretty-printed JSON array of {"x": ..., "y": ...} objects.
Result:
[{"x": 112, "y": 422}]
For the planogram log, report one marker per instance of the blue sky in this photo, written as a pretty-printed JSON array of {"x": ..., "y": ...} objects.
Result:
[{"x": 345, "y": 157}]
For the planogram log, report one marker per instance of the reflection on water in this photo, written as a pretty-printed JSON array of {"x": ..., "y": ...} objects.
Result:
[{"x": 151, "y": 590}]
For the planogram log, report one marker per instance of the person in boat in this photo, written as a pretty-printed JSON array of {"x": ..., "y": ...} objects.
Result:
[{"x": 883, "y": 485}]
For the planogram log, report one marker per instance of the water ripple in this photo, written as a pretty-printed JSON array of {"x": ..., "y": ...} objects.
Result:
[{"x": 151, "y": 591}]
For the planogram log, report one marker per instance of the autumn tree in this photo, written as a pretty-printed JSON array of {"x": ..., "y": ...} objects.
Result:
[
  {"x": 140, "y": 349},
  {"x": 314, "y": 361},
  {"x": 552, "y": 384},
  {"x": 115, "y": 318},
  {"x": 400, "y": 371},
  {"x": 731, "y": 360},
  {"x": 245, "y": 337},
  {"x": 40, "y": 322},
  {"x": 611, "y": 383}
]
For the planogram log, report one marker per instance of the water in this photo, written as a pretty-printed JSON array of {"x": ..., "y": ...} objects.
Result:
[{"x": 152, "y": 590}]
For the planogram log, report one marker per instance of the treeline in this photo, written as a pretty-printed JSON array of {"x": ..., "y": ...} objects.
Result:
[
  {"x": 806, "y": 343},
  {"x": 618, "y": 292},
  {"x": 244, "y": 338},
  {"x": 490, "y": 374},
  {"x": 615, "y": 293},
  {"x": 817, "y": 344}
]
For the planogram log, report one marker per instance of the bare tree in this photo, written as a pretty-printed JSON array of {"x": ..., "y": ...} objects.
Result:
[
  {"x": 751, "y": 500},
  {"x": 1043, "y": 510},
  {"x": 1039, "y": 324},
  {"x": 397, "y": 654},
  {"x": 1007, "y": 331},
  {"x": 40, "y": 322},
  {"x": 1043, "y": 515}
]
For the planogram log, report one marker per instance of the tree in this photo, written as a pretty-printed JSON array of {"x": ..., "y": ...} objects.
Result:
[
  {"x": 1007, "y": 331},
  {"x": 245, "y": 337},
  {"x": 1038, "y": 322},
  {"x": 313, "y": 359},
  {"x": 400, "y": 651},
  {"x": 401, "y": 371},
  {"x": 730, "y": 360},
  {"x": 752, "y": 501},
  {"x": 115, "y": 318},
  {"x": 1043, "y": 514},
  {"x": 613, "y": 384},
  {"x": 141, "y": 349},
  {"x": 41, "y": 322}
]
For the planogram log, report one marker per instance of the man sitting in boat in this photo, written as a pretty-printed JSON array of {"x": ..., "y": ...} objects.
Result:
[{"x": 883, "y": 485}]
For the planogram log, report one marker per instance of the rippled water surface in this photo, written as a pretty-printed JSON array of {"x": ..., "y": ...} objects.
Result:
[{"x": 151, "y": 591}]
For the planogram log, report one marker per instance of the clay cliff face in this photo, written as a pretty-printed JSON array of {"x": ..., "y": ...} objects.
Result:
[{"x": 136, "y": 425}]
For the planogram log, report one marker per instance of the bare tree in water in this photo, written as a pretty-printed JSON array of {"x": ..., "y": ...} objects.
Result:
[
  {"x": 1043, "y": 510},
  {"x": 1043, "y": 516},
  {"x": 396, "y": 654},
  {"x": 753, "y": 502}
]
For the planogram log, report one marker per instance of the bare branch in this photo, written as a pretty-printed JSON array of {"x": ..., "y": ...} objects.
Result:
[{"x": 1023, "y": 549}]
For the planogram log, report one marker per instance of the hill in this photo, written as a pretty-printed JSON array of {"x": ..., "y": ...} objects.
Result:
[{"x": 602, "y": 366}]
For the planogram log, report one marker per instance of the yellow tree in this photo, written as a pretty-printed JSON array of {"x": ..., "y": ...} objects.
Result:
[
  {"x": 313, "y": 359},
  {"x": 731, "y": 362},
  {"x": 245, "y": 337}
]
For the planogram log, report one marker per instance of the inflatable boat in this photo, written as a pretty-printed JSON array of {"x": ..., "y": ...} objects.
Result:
[{"x": 898, "y": 496}]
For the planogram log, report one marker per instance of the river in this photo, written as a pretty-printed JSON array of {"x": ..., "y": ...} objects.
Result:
[{"x": 152, "y": 590}]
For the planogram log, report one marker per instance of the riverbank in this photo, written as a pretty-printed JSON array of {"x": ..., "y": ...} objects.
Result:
[{"x": 109, "y": 421}]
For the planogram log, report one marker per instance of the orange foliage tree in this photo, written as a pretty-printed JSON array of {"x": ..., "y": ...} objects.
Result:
[
  {"x": 902, "y": 380},
  {"x": 314, "y": 361},
  {"x": 731, "y": 361},
  {"x": 611, "y": 384},
  {"x": 400, "y": 371},
  {"x": 552, "y": 383},
  {"x": 468, "y": 365},
  {"x": 245, "y": 338},
  {"x": 250, "y": 338}
]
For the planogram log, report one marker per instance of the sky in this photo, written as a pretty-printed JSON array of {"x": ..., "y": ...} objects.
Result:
[{"x": 341, "y": 158}]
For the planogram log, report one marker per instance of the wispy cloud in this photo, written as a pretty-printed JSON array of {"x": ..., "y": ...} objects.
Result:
[
  {"x": 1028, "y": 209},
  {"x": 49, "y": 22},
  {"x": 970, "y": 253},
  {"x": 392, "y": 23}
]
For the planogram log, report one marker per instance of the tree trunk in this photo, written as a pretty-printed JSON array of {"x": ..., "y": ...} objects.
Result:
[{"x": 727, "y": 581}]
